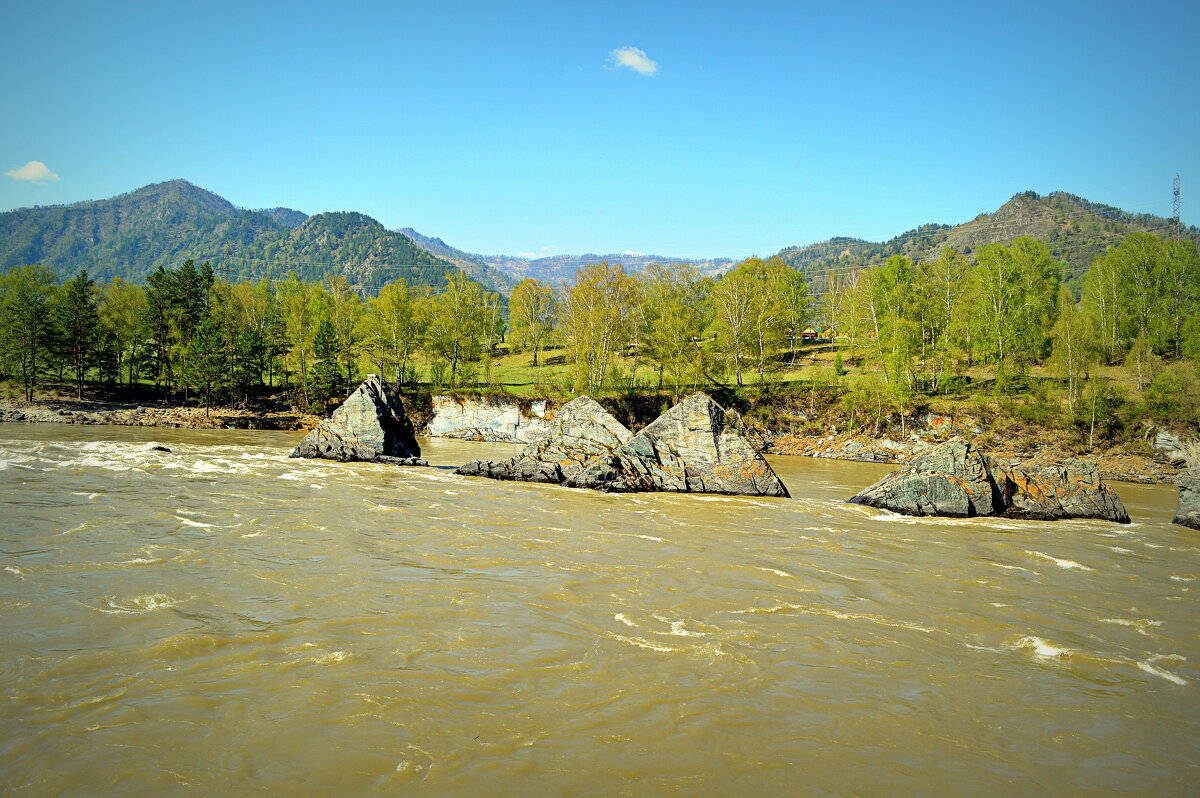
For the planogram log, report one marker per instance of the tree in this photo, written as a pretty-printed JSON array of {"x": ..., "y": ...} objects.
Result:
[
  {"x": 25, "y": 325},
  {"x": 78, "y": 322},
  {"x": 533, "y": 314},
  {"x": 325, "y": 372},
  {"x": 673, "y": 304},
  {"x": 597, "y": 321},
  {"x": 1074, "y": 346},
  {"x": 345, "y": 313},
  {"x": 394, "y": 327},
  {"x": 299, "y": 303},
  {"x": 457, "y": 326},
  {"x": 1015, "y": 291},
  {"x": 123, "y": 313}
]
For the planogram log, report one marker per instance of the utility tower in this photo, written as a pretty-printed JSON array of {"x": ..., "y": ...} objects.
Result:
[{"x": 1175, "y": 207}]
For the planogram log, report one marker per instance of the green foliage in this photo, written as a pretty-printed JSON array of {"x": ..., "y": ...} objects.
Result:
[{"x": 1174, "y": 395}]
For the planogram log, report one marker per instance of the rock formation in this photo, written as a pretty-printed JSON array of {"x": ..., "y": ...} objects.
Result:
[
  {"x": 697, "y": 447},
  {"x": 369, "y": 426},
  {"x": 1188, "y": 512},
  {"x": 1052, "y": 491},
  {"x": 950, "y": 480},
  {"x": 957, "y": 481},
  {"x": 581, "y": 431}
]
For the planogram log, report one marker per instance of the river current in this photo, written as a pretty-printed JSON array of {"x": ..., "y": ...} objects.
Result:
[{"x": 222, "y": 620}]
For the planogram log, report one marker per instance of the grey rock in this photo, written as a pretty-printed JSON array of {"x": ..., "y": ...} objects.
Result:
[
  {"x": 369, "y": 426},
  {"x": 955, "y": 480},
  {"x": 157, "y": 447},
  {"x": 1188, "y": 512},
  {"x": 948, "y": 480},
  {"x": 580, "y": 431},
  {"x": 1053, "y": 491},
  {"x": 695, "y": 447}
]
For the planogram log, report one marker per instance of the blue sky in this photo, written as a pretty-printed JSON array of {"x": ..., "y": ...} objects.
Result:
[{"x": 512, "y": 128}]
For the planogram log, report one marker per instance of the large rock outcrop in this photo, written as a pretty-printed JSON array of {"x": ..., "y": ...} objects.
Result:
[
  {"x": 488, "y": 418},
  {"x": 1054, "y": 491},
  {"x": 370, "y": 426},
  {"x": 696, "y": 447},
  {"x": 1188, "y": 512},
  {"x": 955, "y": 480},
  {"x": 950, "y": 480},
  {"x": 581, "y": 431}
]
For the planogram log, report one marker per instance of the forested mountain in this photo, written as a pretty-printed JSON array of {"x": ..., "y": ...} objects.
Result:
[
  {"x": 1076, "y": 231},
  {"x": 473, "y": 265},
  {"x": 167, "y": 223},
  {"x": 562, "y": 268}
]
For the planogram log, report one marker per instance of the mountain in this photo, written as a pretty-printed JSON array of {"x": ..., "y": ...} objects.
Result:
[
  {"x": 473, "y": 265},
  {"x": 1075, "y": 229},
  {"x": 166, "y": 223},
  {"x": 562, "y": 268}
]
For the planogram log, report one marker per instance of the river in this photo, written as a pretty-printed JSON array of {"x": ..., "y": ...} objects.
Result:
[{"x": 222, "y": 620}]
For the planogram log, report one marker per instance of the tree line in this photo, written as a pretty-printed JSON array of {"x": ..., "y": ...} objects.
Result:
[{"x": 911, "y": 328}]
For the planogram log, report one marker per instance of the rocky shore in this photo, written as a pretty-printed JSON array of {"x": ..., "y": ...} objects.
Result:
[{"x": 130, "y": 415}]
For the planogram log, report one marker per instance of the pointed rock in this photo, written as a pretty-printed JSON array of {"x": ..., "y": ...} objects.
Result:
[
  {"x": 949, "y": 480},
  {"x": 581, "y": 431},
  {"x": 1188, "y": 512},
  {"x": 370, "y": 426},
  {"x": 695, "y": 447}
]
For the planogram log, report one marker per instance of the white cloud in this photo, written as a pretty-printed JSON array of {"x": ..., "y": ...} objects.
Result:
[
  {"x": 635, "y": 59},
  {"x": 32, "y": 172}
]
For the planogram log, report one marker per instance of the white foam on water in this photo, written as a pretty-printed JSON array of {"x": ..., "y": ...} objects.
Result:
[
  {"x": 646, "y": 644},
  {"x": 1042, "y": 648},
  {"x": 251, "y": 534},
  {"x": 649, "y": 537},
  {"x": 317, "y": 487},
  {"x": 677, "y": 629},
  {"x": 1152, "y": 545},
  {"x": 777, "y": 572},
  {"x": 1067, "y": 564},
  {"x": 1119, "y": 550},
  {"x": 1183, "y": 578},
  {"x": 620, "y": 616},
  {"x": 1148, "y": 667},
  {"x": 136, "y": 605},
  {"x": 90, "y": 496},
  {"x": 331, "y": 657},
  {"x": 190, "y": 522},
  {"x": 139, "y": 561},
  {"x": 1013, "y": 568},
  {"x": 1140, "y": 624},
  {"x": 12, "y": 569}
]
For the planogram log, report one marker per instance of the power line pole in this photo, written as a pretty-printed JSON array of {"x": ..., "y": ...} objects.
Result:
[{"x": 1175, "y": 207}]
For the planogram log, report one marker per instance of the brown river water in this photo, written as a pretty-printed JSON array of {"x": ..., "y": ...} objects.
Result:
[{"x": 224, "y": 621}]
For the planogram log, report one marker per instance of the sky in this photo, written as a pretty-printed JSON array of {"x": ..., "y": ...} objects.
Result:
[{"x": 689, "y": 129}]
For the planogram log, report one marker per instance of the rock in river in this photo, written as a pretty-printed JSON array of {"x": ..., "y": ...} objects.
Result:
[
  {"x": 950, "y": 480},
  {"x": 1188, "y": 512},
  {"x": 370, "y": 426},
  {"x": 1053, "y": 491},
  {"x": 696, "y": 447},
  {"x": 957, "y": 481},
  {"x": 581, "y": 431}
]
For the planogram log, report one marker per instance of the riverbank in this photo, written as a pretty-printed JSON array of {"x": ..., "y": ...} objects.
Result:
[
  {"x": 127, "y": 414},
  {"x": 502, "y": 419}
]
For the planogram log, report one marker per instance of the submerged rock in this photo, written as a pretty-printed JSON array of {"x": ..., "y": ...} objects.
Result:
[
  {"x": 695, "y": 447},
  {"x": 1052, "y": 491},
  {"x": 955, "y": 480},
  {"x": 581, "y": 431},
  {"x": 949, "y": 480},
  {"x": 157, "y": 447},
  {"x": 370, "y": 426},
  {"x": 1188, "y": 512}
]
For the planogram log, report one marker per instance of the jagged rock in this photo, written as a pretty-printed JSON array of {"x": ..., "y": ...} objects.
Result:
[
  {"x": 1052, "y": 491},
  {"x": 369, "y": 426},
  {"x": 157, "y": 447},
  {"x": 488, "y": 418},
  {"x": 954, "y": 480},
  {"x": 1188, "y": 512},
  {"x": 581, "y": 431},
  {"x": 949, "y": 480},
  {"x": 696, "y": 447}
]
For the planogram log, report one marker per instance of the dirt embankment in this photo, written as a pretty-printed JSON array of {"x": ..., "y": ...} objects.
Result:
[{"x": 69, "y": 411}]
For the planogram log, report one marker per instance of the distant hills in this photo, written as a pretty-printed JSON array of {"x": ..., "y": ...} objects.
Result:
[
  {"x": 1076, "y": 231},
  {"x": 166, "y": 223}
]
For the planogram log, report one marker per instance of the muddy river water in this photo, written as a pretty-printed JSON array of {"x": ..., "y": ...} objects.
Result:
[{"x": 222, "y": 620}]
